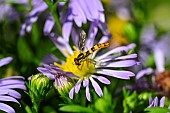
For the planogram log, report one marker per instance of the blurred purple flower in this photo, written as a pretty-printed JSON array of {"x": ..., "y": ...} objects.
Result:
[
  {"x": 78, "y": 12},
  {"x": 154, "y": 103},
  {"x": 103, "y": 61},
  {"x": 38, "y": 7},
  {"x": 9, "y": 12},
  {"x": 149, "y": 44}
]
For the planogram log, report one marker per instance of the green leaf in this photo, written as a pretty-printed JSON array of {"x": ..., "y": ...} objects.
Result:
[
  {"x": 101, "y": 105},
  {"x": 157, "y": 110},
  {"x": 24, "y": 51},
  {"x": 150, "y": 61},
  {"x": 35, "y": 35},
  {"x": 75, "y": 108}
]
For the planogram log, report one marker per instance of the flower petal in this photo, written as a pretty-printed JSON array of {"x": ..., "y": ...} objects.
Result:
[
  {"x": 117, "y": 74},
  {"x": 66, "y": 30},
  {"x": 116, "y": 50},
  {"x": 87, "y": 93},
  {"x": 102, "y": 79},
  {"x": 13, "y": 77},
  {"x": 159, "y": 60},
  {"x": 75, "y": 37},
  {"x": 96, "y": 87},
  {"x": 91, "y": 36},
  {"x": 125, "y": 63},
  {"x": 8, "y": 98},
  {"x": 143, "y": 72},
  {"x": 46, "y": 72},
  {"x": 10, "y": 92},
  {"x": 77, "y": 86},
  {"x": 61, "y": 44},
  {"x": 126, "y": 57},
  {"x": 6, "y": 108},
  {"x": 71, "y": 93},
  {"x": 155, "y": 101},
  {"x": 17, "y": 86},
  {"x": 162, "y": 101},
  {"x": 49, "y": 24},
  {"x": 5, "y": 61},
  {"x": 86, "y": 84},
  {"x": 10, "y": 81}
]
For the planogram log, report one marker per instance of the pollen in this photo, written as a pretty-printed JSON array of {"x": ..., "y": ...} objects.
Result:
[{"x": 84, "y": 70}]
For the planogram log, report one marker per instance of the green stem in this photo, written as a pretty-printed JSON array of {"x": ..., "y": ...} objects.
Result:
[
  {"x": 27, "y": 108},
  {"x": 53, "y": 9},
  {"x": 35, "y": 108}
]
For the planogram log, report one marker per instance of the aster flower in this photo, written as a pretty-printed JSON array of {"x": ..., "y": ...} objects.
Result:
[
  {"x": 95, "y": 69},
  {"x": 81, "y": 11},
  {"x": 7, "y": 86}
]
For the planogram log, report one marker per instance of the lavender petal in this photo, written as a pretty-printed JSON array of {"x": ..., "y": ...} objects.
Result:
[
  {"x": 66, "y": 30},
  {"x": 159, "y": 60},
  {"x": 49, "y": 24},
  {"x": 92, "y": 33},
  {"x": 125, "y": 63},
  {"x": 46, "y": 72},
  {"x": 6, "y": 108},
  {"x": 8, "y": 98},
  {"x": 71, "y": 93},
  {"x": 77, "y": 86},
  {"x": 143, "y": 72},
  {"x": 162, "y": 101},
  {"x": 96, "y": 87},
  {"x": 117, "y": 74},
  {"x": 126, "y": 57},
  {"x": 17, "y": 86},
  {"x": 87, "y": 93},
  {"x": 61, "y": 44},
  {"x": 5, "y": 61},
  {"x": 116, "y": 50},
  {"x": 102, "y": 79},
  {"x": 10, "y": 92}
]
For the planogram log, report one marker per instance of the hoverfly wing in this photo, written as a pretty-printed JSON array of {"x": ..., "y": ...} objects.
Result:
[{"x": 82, "y": 40}]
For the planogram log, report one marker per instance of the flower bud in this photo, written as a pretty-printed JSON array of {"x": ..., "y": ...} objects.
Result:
[
  {"x": 63, "y": 83},
  {"x": 39, "y": 86}
]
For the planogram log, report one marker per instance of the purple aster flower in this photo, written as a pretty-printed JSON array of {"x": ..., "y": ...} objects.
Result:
[
  {"x": 95, "y": 67},
  {"x": 150, "y": 44},
  {"x": 7, "y": 92},
  {"x": 81, "y": 11},
  {"x": 7, "y": 86}
]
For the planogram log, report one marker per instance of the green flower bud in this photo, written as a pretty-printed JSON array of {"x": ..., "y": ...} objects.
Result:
[
  {"x": 39, "y": 86},
  {"x": 63, "y": 84}
]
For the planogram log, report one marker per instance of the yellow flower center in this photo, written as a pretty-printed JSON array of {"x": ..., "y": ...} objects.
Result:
[{"x": 86, "y": 68}]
